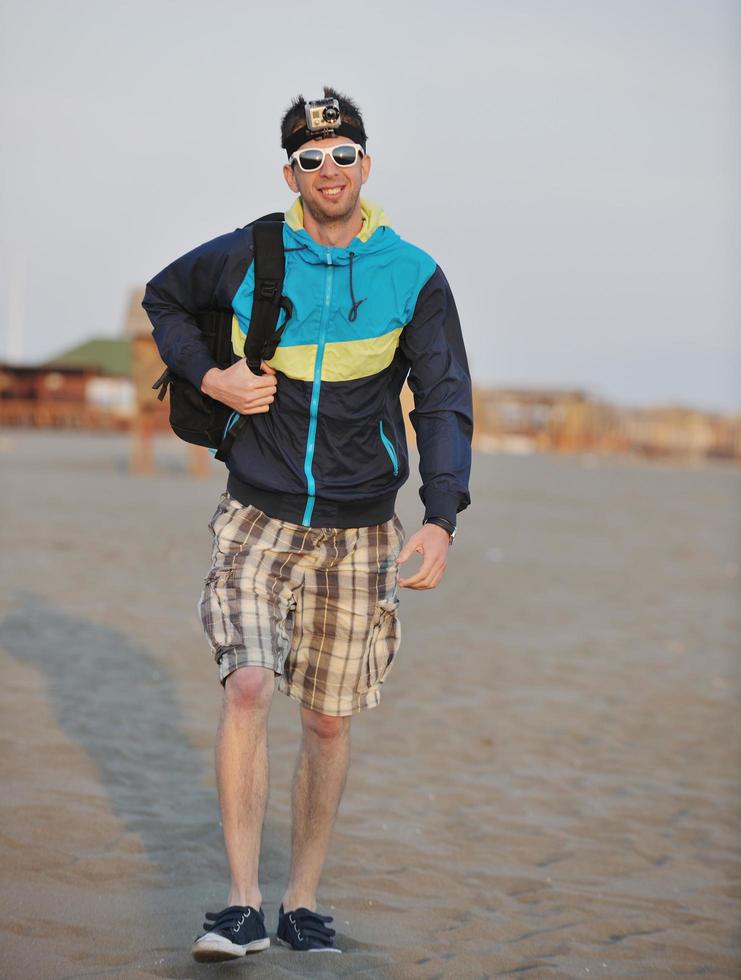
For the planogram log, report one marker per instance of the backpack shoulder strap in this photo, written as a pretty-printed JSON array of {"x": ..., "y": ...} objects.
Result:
[
  {"x": 267, "y": 302},
  {"x": 269, "y": 261},
  {"x": 273, "y": 216}
]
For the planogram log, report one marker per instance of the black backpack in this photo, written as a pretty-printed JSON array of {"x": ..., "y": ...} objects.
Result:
[{"x": 194, "y": 416}]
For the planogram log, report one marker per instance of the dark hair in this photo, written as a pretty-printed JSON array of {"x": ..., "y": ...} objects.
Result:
[{"x": 295, "y": 115}]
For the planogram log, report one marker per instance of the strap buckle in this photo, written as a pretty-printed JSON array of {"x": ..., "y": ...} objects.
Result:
[
  {"x": 162, "y": 383},
  {"x": 268, "y": 289}
]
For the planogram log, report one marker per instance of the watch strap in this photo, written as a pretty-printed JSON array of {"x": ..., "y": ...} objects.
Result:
[{"x": 444, "y": 523}]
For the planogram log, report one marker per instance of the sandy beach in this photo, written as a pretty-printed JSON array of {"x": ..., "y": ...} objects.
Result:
[{"x": 549, "y": 788}]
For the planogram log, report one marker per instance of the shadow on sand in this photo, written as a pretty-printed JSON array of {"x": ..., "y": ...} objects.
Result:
[{"x": 112, "y": 698}]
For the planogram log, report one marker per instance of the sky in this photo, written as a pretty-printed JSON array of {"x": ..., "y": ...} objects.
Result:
[{"x": 572, "y": 166}]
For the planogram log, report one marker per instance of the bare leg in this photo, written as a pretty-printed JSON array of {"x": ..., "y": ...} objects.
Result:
[
  {"x": 321, "y": 771},
  {"x": 242, "y": 776}
]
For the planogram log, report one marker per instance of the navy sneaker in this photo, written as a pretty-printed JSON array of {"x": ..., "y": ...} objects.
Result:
[
  {"x": 306, "y": 930},
  {"x": 231, "y": 933}
]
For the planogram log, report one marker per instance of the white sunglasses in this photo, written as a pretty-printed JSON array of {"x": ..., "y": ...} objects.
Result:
[{"x": 344, "y": 155}]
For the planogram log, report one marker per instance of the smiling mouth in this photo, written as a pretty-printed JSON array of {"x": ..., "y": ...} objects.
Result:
[{"x": 330, "y": 192}]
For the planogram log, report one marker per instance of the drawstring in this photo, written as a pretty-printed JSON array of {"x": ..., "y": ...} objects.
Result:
[{"x": 353, "y": 314}]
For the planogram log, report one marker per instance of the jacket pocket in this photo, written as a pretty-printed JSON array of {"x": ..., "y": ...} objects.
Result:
[{"x": 389, "y": 447}]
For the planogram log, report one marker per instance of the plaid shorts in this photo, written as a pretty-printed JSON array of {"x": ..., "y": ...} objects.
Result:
[{"x": 315, "y": 605}]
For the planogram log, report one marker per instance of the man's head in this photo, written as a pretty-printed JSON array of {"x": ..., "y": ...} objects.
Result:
[
  {"x": 330, "y": 192},
  {"x": 294, "y": 120}
]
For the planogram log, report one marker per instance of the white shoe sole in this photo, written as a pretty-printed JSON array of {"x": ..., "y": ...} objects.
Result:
[
  {"x": 214, "y": 947},
  {"x": 324, "y": 949}
]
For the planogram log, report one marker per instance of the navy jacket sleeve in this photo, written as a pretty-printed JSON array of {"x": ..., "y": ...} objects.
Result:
[
  {"x": 204, "y": 279},
  {"x": 441, "y": 384}
]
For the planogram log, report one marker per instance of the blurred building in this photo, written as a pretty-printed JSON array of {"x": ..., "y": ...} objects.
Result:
[
  {"x": 99, "y": 384},
  {"x": 86, "y": 387},
  {"x": 523, "y": 420},
  {"x": 529, "y": 420},
  {"x": 109, "y": 388}
]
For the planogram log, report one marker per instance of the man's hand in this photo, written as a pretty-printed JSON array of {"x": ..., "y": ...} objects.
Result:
[
  {"x": 240, "y": 389},
  {"x": 432, "y": 542}
]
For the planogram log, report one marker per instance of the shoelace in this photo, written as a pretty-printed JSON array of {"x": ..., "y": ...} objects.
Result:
[
  {"x": 311, "y": 925},
  {"x": 232, "y": 919}
]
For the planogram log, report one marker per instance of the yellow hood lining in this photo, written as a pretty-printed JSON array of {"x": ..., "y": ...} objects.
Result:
[{"x": 373, "y": 217}]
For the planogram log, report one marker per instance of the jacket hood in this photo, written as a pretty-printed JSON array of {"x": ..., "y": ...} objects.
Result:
[{"x": 376, "y": 235}]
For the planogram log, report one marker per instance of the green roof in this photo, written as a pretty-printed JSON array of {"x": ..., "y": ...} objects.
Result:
[{"x": 112, "y": 357}]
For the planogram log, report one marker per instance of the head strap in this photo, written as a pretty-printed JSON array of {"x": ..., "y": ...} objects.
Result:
[{"x": 304, "y": 135}]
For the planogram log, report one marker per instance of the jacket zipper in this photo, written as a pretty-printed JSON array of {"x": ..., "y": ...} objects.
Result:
[
  {"x": 315, "y": 388},
  {"x": 389, "y": 446}
]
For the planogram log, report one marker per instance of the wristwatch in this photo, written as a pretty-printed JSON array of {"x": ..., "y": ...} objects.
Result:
[{"x": 444, "y": 524}]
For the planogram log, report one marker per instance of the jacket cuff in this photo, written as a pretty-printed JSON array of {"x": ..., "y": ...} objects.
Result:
[
  {"x": 441, "y": 504},
  {"x": 196, "y": 367}
]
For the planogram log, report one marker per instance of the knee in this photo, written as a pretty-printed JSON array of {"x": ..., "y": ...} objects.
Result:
[
  {"x": 249, "y": 689},
  {"x": 324, "y": 726}
]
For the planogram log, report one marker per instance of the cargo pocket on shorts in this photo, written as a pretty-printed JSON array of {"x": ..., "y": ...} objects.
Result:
[
  {"x": 383, "y": 644},
  {"x": 214, "y": 612}
]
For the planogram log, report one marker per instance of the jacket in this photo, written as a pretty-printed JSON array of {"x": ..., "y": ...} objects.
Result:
[{"x": 331, "y": 451}]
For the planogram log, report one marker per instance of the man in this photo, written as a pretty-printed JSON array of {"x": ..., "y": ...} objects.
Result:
[{"x": 303, "y": 584}]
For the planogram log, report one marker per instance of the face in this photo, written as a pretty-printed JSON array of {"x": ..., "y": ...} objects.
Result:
[{"x": 330, "y": 194}]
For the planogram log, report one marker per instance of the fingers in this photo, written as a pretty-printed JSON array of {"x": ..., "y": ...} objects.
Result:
[
  {"x": 243, "y": 374},
  {"x": 258, "y": 402},
  {"x": 247, "y": 393},
  {"x": 406, "y": 552},
  {"x": 434, "y": 553},
  {"x": 248, "y": 402},
  {"x": 240, "y": 389},
  {"x": 255, "y": 409},
  {"x": 428, "y": 576}
]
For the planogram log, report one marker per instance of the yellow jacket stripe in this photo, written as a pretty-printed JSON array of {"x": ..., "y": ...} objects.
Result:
[{"x": 344, "y": 361}]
